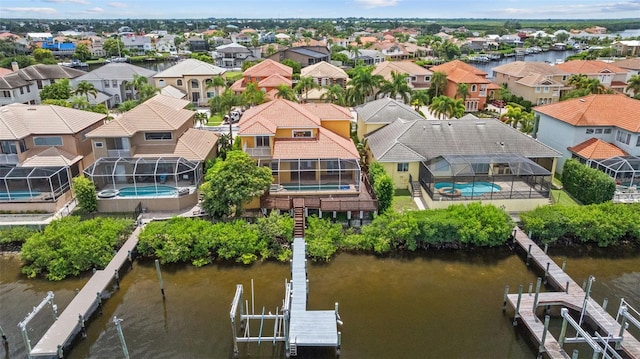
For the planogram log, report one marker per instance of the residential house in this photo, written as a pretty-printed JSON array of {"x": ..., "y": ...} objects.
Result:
[
  {"x": 325, "y": 74},
  {"x": 632, "y": 66},
  {"x": 43, "y": 148},
  {"x": 39, "y": 37},
  {"x": 192, "y": 77},
  {"x": 376, "y": 114},
  {"x": 20, "y": 44},
  {"x": 268, "y": 74},
  {"x": 627, "y": 47},
  {"x": 24, "y": 85},
  {"x": 391, "y": 50},
  {"x": 367, "y": 57},
  {"x": 150, "y": 155},
  {"x": 232, "y": 56},
  {"x": 590, "y": 128},
  {"x": 113, "y": 82},
  {"x": 312, "y": 158},
  {"x": 95, "y": 46},
  {"x": 609, "y": 75},
  {"x": 137, "y": 45},
  {"x": 416, "y": 51},
  {"x": 418, "y": 77},
  {"x": 448, "y": 162},
  {"x": 304, "y": 55},
  {"x": 197, "y": 44},
  {"x": 166, "y": 44},
  {"x": 537, "y": 82},
  {"x": 480, "y": 89}
]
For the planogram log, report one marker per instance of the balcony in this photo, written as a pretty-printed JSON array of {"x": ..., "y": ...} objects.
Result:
[
  {"x": 482, "y": 93},
  {"x": 258, "y": 151},
  {"x": 8, "y": 159},
  {"x": 119, "y": 153}
]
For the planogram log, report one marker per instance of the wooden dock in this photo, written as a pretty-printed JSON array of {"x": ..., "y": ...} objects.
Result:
[
  {"x": 63, "y": 330},
  {"x": 317, "y": 328},
  {"x": 571, "y": 295}
]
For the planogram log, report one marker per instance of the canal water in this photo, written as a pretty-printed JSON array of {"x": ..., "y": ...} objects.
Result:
[
  {"x": 550, "y": 57},
  {"x": 438, "y": 305}
]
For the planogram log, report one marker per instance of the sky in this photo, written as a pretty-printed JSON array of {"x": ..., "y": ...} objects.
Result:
[{"x": 194, "y": 9}]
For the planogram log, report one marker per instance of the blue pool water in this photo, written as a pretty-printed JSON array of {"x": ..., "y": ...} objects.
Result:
[
  {"x": 148, "y": 191},
  {"x": 471, "y": 188},
  {"x": 4, "y": 196}
]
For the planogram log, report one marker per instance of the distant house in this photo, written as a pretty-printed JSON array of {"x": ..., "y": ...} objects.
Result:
[
  {"x": 197, "y": 44},
  {"x": 537, "y": 82},
  {"x": 632, "y": 66},
  {"x": 304, "y": 55},
  {"x": 166, "y": 44},
  {"x": 192, "y": 77},
  {"x": 376, "y": 114},
  {"x": 233, "y": 56},
  {"x": 590, "y": 128},
  {"x": 268, "y": 74},
  {"x": 43, "y": 148},
  {"x": 609, "y": 75},
  {"x": 95, "y": 46},
  {"x": 391, "y": 50},
  {"x": 325, "y": 74},
  {"x": 113, "y": 82},
  {"x": 627, "y": 47},
  {"x": 137, "y": 45},
  {"x": 418, "y": 77},
  {"x": 24, "y": 85},
  {"x": 368, "y": 57},
  {"x": 480, "y": 89}
]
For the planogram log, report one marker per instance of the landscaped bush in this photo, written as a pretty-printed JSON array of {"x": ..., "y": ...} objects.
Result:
[
  {"x": 587, "y": 185},
  {"x": 382, "y": 185},
  {"x": 604, "y": 224},
  {"x": 69, "y": 246},
  {"x": 85, "y": 192}
]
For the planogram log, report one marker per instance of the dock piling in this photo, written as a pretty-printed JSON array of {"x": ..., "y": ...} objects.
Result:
[
  {"x": 605, "y": 302},
  {"x": 530, "y": 288},
  {"x": 5, "y": 342},
  {"x": 504, "y": 300},
  {"x": 564, "y": 265},
  {"x": 566, "y": 288},
  {"x": 574, "y": 355},
  {"x": 541, "y": 349},
  {"x": 116, "y": 276},
  {"x": 125, "y": 351},
  {"x": 99, "y": 299},
  {"x": 546, "y": 272},
  {"x": 83, "y": 329},
  {"x": 517, "y": 314},
  {"x": 535, "y": 300},
  {"x": 60, "y": 352},
  {"x": 528, "y": 255},
  {"x": 563, "y": 330},
  {"x": 130, "y": 257},
  {"x": 546, "y": 247},
  {"x": 160, "y": 278}
]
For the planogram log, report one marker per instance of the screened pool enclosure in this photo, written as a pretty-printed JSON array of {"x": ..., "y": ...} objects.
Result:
[
  {"x": 144, "y": 177},
  {"x": 318, "y": 174},
  {"x": 33, "y": 184},
  {"x": 484, "y": 177},
  {"x": 625, "y": 170}
]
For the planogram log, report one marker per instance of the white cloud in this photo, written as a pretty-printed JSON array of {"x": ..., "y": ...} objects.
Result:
[
  {"x": 377, "y": 3},
  {"x": 117, "y": 4},
  {"x": 40, "y": 10},
  {"x": 81, "y": 2},
  {"x": 95, "y": 10}
]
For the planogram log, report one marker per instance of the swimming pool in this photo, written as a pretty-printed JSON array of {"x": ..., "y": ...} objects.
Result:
[
  {"x": 148, "y": 191},
  {"x": 315, "y": 187},
  {"x": 15, "y": 195},
  {"x": 466, "y": 189}
]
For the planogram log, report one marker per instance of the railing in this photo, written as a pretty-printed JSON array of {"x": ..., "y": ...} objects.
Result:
[
  {"x": 119, "y": 153},
  {"x": 555, "y": 94},
  {"x": 482, "y": 93},
  {"x": 258, "y": 151},
  {"x": 220, "y": 129},
  {"x": 8, "y": 159}
]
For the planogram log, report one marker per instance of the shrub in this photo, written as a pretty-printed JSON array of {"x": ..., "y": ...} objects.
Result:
[
  {"x": 587, "y": 185},
  {"x": 322, "y": 238},
  {"x": 382, "y": 185},
  {"x": 15, "y": 234},
  {"x": 85, "y": 192}
]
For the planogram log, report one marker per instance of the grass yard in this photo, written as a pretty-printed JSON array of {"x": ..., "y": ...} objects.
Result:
[
  {"x": 215, "y": 120},
  {"x": 559, "y": 196},
  {"x": 402, "y": 201}
]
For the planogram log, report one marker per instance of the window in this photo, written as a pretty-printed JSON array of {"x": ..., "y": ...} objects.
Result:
[
  {"x": 157, "y": 136},
  {"x": 114, "y": 83},
  {"x": 304, "y": 134},
  {"x": 179, "y": 82},
  {"x": 414, "y": 78},
  {"x": 537, "y": 89},
  {"x": 22, "y": 90},
  {"x": 607, "y": 131},
  {"x": 427, "y": 79},
  {"x": 210, "y": 94},
  {"x": 403, "y": 167},
  {"x": 564, "y": 78},
  {"x": 161, "y": 83},
  {"x": 39, "y": 83},
  {"x": 598, "y": 130},
  {"x": 6, "y": 94},
  {"x": 48, "y": 141},
  {"x": 474, "y": 88},
  {"x": 589, "y": 130},
  {"x": 194, "y": 84},
  {"x": 8, "y": 147},
  {"x": 105, "y": 83},
  {"x": 623, "y": 137},
  {"x": 546, "y": 89},
  {"x": 262, "y": 141},
  {"x": 98, "y": 144}
]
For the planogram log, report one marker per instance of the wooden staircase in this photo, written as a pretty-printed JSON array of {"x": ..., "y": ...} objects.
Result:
[
  {"x": 416, "y": 190},
  {"x": 298, "y": 218}
]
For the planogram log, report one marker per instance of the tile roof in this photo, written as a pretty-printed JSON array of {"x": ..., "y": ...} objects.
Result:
[
  {"x": 160, "y": 113},
  {"x": 193, "y": 145},
  {"x": 4, "y": 71},
  {"x": 267, "y": 68},
  {"x": 327, "y": 145},
  {"x": 191, "y": 67},
  {"x": 49, "y": 157},
  {"x": 115, "y": 71},
  {"x": 412, "y": 140},
  {"x": 404, "y": 67},
  {"x": 535, "y": 79},
  {"x": 23, "y": 77},
  {"x": 596, "y": 110},
  {"x": 458, "y": 65},
  {"x": 18, "y": 121},
  {"x": 629, "y": 64},
  {"x": 328, "y": 111},
  {"x": 525, "y": 68},
  {"x": 324, "y": 69},
  {"x": 589, "y": 67},
  {"x": 308, "y": 52},
  {"x": 595, "y": 148},
  {"x": 275, "y": 80},
  {"x": 172, "y": 92},
  {"x": 278, "y": 113},
  {"x": 385, "y": 111}
]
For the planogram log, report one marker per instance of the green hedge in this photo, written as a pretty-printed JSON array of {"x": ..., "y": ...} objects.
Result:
[
  {"x": 16, "y": 234},
  {"x": 382, "y": 185},
  {"x": 69, "y": 246},
  {"x": 587, "y": 185},
  {"x": 603, "y": 224}
]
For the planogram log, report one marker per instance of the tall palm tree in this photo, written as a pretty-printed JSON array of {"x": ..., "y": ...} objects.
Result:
[
  {"x": 79, "y": 102},
  {"x": 335, "y": 94},
  {"x": 455, "y": 108},
  {"x": 438, "y": 82},
  {"x": 398, "y": 86},
  {"x": 512, "y": 116},
  {"x": 438, "y": 106},
  {"x": 252, "y": 95},
  {"x": 305, "y": 83},
  {"x": 223, "y": 104},
  {"x": 216, "y": 83},
  {"x": 634, "y": 85},
  {"x": 146, "y": 91},
  {"x": 462, "y": 91},
  {"x": 355, "y": 52},
  {"x": 594, "y": 86},
  {"x": 577, "y": 81},
  {"x": 285, "y": 92},
  {"x": 85, "y": 88},
  {"x": 419, "y": 98},
  {"x": 364, "y": 83}
]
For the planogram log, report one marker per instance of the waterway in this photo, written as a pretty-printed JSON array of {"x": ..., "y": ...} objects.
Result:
[
  {"x": 551, "y": 57},
  {"x": 440, "y": 305}
]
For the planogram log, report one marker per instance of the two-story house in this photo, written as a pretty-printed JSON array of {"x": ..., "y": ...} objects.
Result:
[
  {"x": 325, "y": 74},
  {"x": 627, "y": 47},
  {"x": 192, "y": 77},
  {"x": 480, "y": 89},
  {"x": 308, "y": 149},
  {"x": 197, "y": 44},
  {"x": 233, "y": 55},
  {"x": 537, "y": 82},
  {"x": 609, "y": 75},
  {"x": 593, "y": 127},
  {"x": 376, "y": 114},
  {"x": 137, "y": 45},
  {"x": 114, "y": 80},
  {"x": 268, "y": 74},
  {"x": 166, "y": 44},
  {"x": 304, "y": 55},
  {"x": 391, "y": 50},
  {"x": 42, "y": 148},
  {"x": 24, "y": 85},
  {"x": 418, "y": 77},
  {"x": 367, "y": 57}
]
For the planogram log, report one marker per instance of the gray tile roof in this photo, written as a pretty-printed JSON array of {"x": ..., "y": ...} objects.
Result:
[
  {"x": 23, "y": 77},
  {"x": 385, "y": 110},
  {"x": 430, "y": 139},
  {"x": 115, "y": 71},
  {"x": 191, "y": 67}
]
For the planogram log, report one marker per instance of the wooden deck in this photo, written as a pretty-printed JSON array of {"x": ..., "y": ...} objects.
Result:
[
  {"x": 67, "y": 326},
  {"x": 573, "y": 299}
]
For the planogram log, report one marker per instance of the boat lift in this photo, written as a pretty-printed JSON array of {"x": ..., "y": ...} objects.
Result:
[{"x": 23, "y": 324}]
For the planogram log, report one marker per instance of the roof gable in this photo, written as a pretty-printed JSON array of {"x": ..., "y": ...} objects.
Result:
[
  {"x": 385, "y": 111},
  {"x": 191, "y": 67},
  {"x": 267, "y": 68}
]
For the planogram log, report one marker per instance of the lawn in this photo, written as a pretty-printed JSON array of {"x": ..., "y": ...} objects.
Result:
[
  {"x": 233, "y": 75},
  {"x": 402, "y": 201},
  {"x": 559, "y": 196},
  {"x": 215, "y": 120}
]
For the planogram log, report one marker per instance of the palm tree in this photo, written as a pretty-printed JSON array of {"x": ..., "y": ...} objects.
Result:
[
  {"x": 398, "y": 86},
  {"x": 455, "y": 108},
  {"x": 217, "y": 82},
  {"x": 79, "y": 102},
  {"x": 577, "y": 81},
  {"x": 85, "y": 88},
  {"x": 438, "y": 82},
  {"x": 419, "y": 98},
  {"x": 355, "y": 52},
  {"x": 364, "y": 83},
  {"x": 513, "y": 115},
  {"x": 223, "y": 104},
  {"x": 438, "y": 106},
  {"x": 146, "y": 91},
  {"x": 252, "y": 95},
  {"x": 285, "y": 92},
  {"x": 335, "y": 94},
  {"x": 634, "y": 85},
  {"x": 594, "y": 86},
  {"x": 462, "y": 91},
  {"x": 305, "y": 83}
]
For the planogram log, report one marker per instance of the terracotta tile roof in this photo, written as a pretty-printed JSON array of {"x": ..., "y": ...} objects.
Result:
[
  {"x": 596, "y": 110},
  {"x": 193, "y": 145},
  {"x": 257, "y": 128},
  {"x": 524, "y": 68},
  {"x": 328, "y": 111},
  {"x": 49, "y": 157},
  {"x": 595, "y": 148},
  {"x": 267, "y": 68},
  {"x": 324, "y": 69},
  {"x": 404, "y": 67},
  {"x": 19, "y": 121},
  {"x": 457, "y": 64},
  {"x": 238, "y": 86},
  {"x": 589, "y": 67},
  {"x": 630, "y": 64},
  {"x": 460, "y": 72},
  {"x": 4, "y": 71},
  {"x": 275, "y": 80},
  {"x": 278, "y": 113},
  {"x": 327, "y": 145}
]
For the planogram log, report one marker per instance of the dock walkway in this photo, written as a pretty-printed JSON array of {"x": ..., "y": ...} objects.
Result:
[
  {"x": 84, "y": 303},
  {"x": 572, "y": 297}
]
